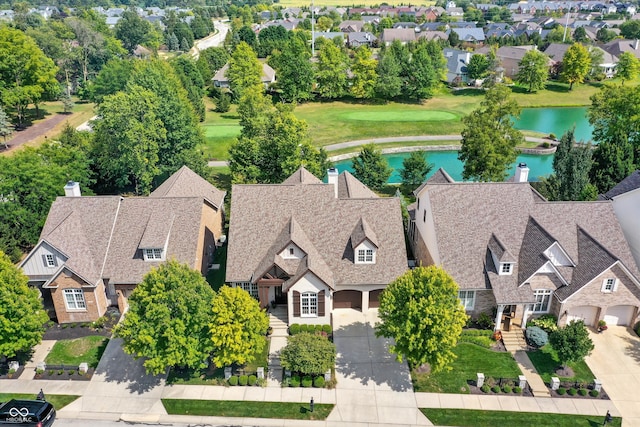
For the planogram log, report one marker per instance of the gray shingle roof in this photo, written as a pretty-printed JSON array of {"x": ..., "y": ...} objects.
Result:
[
  {"x": 350, "y": 187},
  {"x": 187, "y": 183},
  {"x": 467, "y": 214},
  {"x": 302, "y": 176},
  {"x": 630, "y": 183},
  {"x": 260, "y": 226}
]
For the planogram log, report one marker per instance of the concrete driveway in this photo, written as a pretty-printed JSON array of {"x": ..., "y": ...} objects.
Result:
[
  {"x": 372, "y": 386},
  {"x": 616, "y": 362}
]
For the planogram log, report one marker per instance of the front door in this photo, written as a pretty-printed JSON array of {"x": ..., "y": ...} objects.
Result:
[{"x": 281, "y": 298}]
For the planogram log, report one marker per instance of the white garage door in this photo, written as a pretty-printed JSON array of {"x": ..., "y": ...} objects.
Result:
[
  {"x": 585, "y": 313},
  {"x": 619, "y": 315}
]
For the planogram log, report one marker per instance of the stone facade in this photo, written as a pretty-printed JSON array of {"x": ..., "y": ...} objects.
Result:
[
  {"x": 95, "y": 299},
  {"x": 485, "y": 303},
  {"x": 627, "y": 293},
  {"x": 210, "y": 230}
]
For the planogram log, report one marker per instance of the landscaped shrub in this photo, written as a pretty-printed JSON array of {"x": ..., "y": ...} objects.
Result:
[
  {"x": 572, "y": 392},
  {"x": 490, "y": 381},
  {"x": 485, "y": 388},
  {"x": 50, "y": 372},
  {"x": 318, "y": 328},
  {"x": 481, "y": 337},
  {"x": 295, "y": 381},
  {"x": 39, "y": 371},
  {"x": 72, "y": 372},
  {"x": 61, "y": 371},
  {"x": 318, "y": 382},
  {"x": 495, "y": 389},
  {"x": 517, "y": 390},
  {"x": 561, "y": 391},
  {"x": 294, "y": 329},
  {"x": 507, "y": 389},
  {"x": 552, "y": 136},
  {"x": 547, "y": 322},
  {"x": 594, "y": 393},
  {"x": 233, "y": 380},
  {"x": 243, "y": 380},
  {"x": 304, "y": 328},
  {"x": 307, "y": 381},
  {"x": 536, "y": 336},
  {"x": 252, "y": 380},
  {"x": 546, "y": 145},
  {"x": 327, "y": 329},
  {"x": 485, "y": 321},
  {"x": 583, "y": 392}
]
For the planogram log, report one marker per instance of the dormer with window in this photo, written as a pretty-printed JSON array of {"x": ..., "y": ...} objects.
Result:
[
  {"x": 364, "y": 243},
  {"x": 292, "y": 251},
  {"x": 503, "y": 260},
  {"x": 155, "y": 238}
]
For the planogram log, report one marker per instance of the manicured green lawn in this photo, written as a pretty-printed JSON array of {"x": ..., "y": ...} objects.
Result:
[
  {"x": 231, "y": 408},
  {"x": 478, "y": 418},
  {"x": 400, "y": 115},
  {"x": 216, "y": 376},
  {"x": 546, "y": 362},
  {"x": 471, "y": 360},
  {"x": 58, "y": 401},
  {"x": 73, "y": 352}
]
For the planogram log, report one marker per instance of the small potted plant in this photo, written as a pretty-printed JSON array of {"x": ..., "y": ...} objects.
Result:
[{"x": 602, "y": 325}]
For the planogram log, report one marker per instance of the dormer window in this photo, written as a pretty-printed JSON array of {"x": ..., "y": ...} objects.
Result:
[
  {"x": 365, "y": 256},
  {"x": 506, "y": 268},
  {"x": 291, "y": 251},
  {"x": 153, "y": 254}
]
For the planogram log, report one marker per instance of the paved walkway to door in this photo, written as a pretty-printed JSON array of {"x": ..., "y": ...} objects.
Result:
[
  {"x": 372, "y": 386},
  {"x": 616, "y": 362}
]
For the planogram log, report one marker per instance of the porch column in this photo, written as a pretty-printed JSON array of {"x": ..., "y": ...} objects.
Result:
[
  {"x": 365, "y": 301},
  {"x": 525, "y": 316},
  {"x": 498, "y": 320}
]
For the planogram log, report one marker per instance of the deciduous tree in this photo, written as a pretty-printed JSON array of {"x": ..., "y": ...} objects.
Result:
[
  {"x": 421, "y": 76},
  {"x": 630, "y": 29},
  {"x": 294, "y": 70},
  {"x": 238, "y": 326},
  {"x": 371, "y": 168},
  {"x": 132, "y": 30},
  {"x": 389, "y": 83},
  {"x": 211, "y": 60},
  {"x": 308, "y": 354},
  {"x": 628, "y": 67},
  {"x": 489, "y": 140},
  {"x": 22, "y": 316},
  {"x": 245, "y": 71},
  {"x": 331, "y": 71},
  {"x": 421, "y": 311},
  {"x": 168, "y": 319},
  {"x": 571, "y": 343},
  {"x": 478, "y": 67},
  {"x": 6, "y": 128},
  {"x": 112, "y": 78},
  {"x": 576, "y": 64},
  {"x": 191, "y": 79},
  {"x": 533, "y": 70},
  {"x": 363, "y": 67}
]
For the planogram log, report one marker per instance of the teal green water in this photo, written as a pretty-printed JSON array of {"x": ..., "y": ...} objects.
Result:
[
  {"x": 556, "y": 120},
  {"x": 538, "y": 165}
]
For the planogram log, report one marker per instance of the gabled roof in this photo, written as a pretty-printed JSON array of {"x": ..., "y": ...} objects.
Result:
[
  {"x": 265, "y": 217},
  {"x": 268, "y": 73},
  {"x": 187, "y": 183},
  {"x": 466, "y": 215},
  {"x": 401, "y": 34},
  {"x": 302, "y": 176},
  {"x": 501, "y": 253},
  {"x": 362, "y": 232},
  {"x": 630, "y": 183}
]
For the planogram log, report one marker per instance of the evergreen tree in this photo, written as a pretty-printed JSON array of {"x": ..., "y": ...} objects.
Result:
[
  {"x": 415, "y": 169},
  {"x": 370, "y": 168},
  {"x": 173, "y": 43},
  {"x": 612, "y": 162},
  {"x": 389, "y": 83},
  {"x": 571, "y": 165}
]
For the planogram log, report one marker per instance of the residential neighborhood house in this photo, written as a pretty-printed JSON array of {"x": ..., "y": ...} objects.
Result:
[
  {"x": 94, "y": 250},
  {"x": 314, "y": 247}
]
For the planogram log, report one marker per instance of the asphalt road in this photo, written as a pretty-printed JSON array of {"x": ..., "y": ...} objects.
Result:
[{"x": 213, "y": 40}]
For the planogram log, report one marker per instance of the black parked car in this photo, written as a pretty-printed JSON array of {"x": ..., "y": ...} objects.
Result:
[{"x": 27, "y": 413}]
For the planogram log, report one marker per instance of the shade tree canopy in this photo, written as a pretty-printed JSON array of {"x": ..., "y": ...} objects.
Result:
[
  {"x": 370, "y": 168},
  {"x": 308, "y": 354}
]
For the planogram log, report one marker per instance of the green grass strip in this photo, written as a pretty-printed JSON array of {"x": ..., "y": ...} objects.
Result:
[
  {"x": 58, "y": 401},
  {"x": 478, "y": 418},
  {"x": 235, "y": 408}
]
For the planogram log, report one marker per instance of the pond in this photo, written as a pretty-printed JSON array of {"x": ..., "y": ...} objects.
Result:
[
  {"x": 556, "y": 120},
  {"x": 538, "y": 165}
]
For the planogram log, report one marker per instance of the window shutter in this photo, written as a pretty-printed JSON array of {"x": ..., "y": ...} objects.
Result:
[
  {"x": 55, "y": 261},
  {"x": 296, "y": 304},
  {"x": 604, "y": 286},
  {"x": 44, "y": 260},
  {"x": 321, "y": 303},
  {"x": 615, "y": 285}
]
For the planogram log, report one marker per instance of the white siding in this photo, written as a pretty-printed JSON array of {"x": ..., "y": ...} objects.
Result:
[
  {"x": 34, "y": 265},
  {"x": 310, "y": 283},
  {"x": 557, "y": 256},
  {"x": 626, "y": 206},
  {"x": 365, "y": 245},
  {"x": 297, "y": 252}
]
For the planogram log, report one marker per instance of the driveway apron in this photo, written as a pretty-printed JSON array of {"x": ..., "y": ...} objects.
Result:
[
  {"x": 615, "y": 361},
  {"x": 372, "y": 386}
]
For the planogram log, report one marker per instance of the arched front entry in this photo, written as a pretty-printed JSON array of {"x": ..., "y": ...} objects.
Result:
[
  {"x": 347, "y": 299},
  {"x": 374, "y": 298}
]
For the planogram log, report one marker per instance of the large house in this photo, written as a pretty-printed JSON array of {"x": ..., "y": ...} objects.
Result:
[
  {"x": 314, "y": 246},
  {"x": 94, "y": 250},
  {"x": 221, "y": 80},
  {"x": 512, "y": 251}
]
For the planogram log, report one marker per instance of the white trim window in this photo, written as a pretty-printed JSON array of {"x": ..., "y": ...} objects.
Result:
[
  {"x": 250, "y": 288},
  {"x": 505, "y": 268},
  {"x": 543, "y": 299},
  {"x": 609, "y": 285},
  {"x": 366, "y": 256},
  {"x": 74, "y": 299},
  {"x": 468, "y": 299},
  {"x": 51, "y": 261},
  {"x": 153, "y": 254},
  {"x": 309, "y": 304}
]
